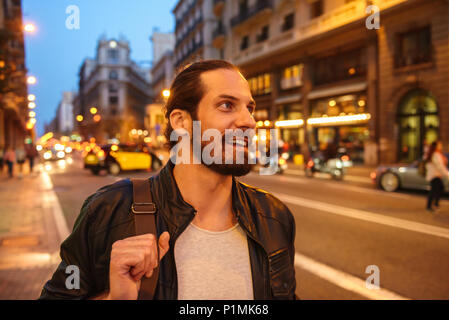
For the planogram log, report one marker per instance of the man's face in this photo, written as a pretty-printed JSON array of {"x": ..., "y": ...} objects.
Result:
[{"x": 227, "y": 104}]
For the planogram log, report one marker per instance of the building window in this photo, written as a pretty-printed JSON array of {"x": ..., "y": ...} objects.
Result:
[
  {"x": 113, "y": 100},
  {"x": 113, "y": 75},
  {"x": 316, "y": 9},
  {"x": 245, "y": 43},
  {"x": 292, "y": 76},
  {"x": 112, "y": 56},
  {"x": 260, "y": 84},
  {"x": 113, "y": 88},
  {"x": 263, "y": 34},
  {"x": 289, "y": 22},
  {"x": 414, "y": 47},
  {"x": 347, "y": 65}
]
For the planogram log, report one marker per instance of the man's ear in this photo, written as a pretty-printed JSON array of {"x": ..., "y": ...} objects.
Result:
[{"x": 180, "y": 119}]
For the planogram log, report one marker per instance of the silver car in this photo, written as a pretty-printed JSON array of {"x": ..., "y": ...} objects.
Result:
[{"x": 393, "y": 177}]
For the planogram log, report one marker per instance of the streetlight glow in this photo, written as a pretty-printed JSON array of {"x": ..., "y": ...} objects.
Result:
[
  {"x": 31, "y": 105},
  {"x": 29, "y": 27},
  {"x": 93, "y": 110},
  {"x": 97, "y": 118},
  {"x": 166, "y": 93},
  {"x": 79, "y": 118},
  {"x": 31, "y": 114},
  {"x": 31, "y": 80},
  {"x": 31, "y": 97}
]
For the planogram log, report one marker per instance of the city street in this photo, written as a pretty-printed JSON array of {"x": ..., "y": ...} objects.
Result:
[{"x": 341, "y": 229}]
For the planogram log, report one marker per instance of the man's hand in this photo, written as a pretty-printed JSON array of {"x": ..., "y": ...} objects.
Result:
[{"x": 131, "y": 259}]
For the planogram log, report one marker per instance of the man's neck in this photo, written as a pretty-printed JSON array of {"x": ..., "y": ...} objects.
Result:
[{"x": 209, "y": 192}]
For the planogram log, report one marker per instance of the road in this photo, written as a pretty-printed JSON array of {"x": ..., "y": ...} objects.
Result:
[{"x": 342, "y": 227}]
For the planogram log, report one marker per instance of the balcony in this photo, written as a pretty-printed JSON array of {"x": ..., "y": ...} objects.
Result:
[
  {"x": 218, "y": 7},
  {"x": 218, "y": 37},
  {"x": 259, "y": 11}
]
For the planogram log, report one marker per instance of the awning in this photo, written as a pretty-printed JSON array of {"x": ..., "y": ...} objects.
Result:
[
  {"x": 335, "y": 91},
  {"x": 288, "y": 99}
]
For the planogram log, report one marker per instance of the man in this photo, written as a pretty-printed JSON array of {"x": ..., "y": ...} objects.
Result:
[{"x": 218, "y": 238}]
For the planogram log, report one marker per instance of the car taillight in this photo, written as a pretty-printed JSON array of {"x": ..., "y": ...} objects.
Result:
[
  {"x": 373, "y": 175},
  {"x": 345, "y": 158}
]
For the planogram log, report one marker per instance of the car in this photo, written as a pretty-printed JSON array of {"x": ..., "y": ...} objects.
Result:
[
  {"x": 401, "y": 176},
  {"x": 116, "y": 158}
]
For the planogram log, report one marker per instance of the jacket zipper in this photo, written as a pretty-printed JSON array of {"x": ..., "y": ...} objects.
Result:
[{"x": 267, "y": 282}]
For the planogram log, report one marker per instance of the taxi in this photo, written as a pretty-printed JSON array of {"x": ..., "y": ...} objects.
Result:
[{"x": 116, "y": 158}]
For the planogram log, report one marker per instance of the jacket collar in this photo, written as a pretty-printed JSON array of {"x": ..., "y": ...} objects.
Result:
[{"x": 179, "y": 212}]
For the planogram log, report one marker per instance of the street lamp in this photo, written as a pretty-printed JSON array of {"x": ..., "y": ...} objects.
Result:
[
  {"x": 166, "y": 93},
  {"x": 31, "y": 105},
  {"x": 31, "y": 97},
  {"x": 93, "y": 110},
  {"x": 29, "y": 27},
  {"x": 79, "y": 118},
  {"x": 31, "y": 114},
  {"x": 31, "y": 80}
]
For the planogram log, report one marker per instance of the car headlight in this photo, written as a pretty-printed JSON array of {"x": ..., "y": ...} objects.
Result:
[
  {"x": 60, "y": 154},
  {"x": 47, "y": 155}
]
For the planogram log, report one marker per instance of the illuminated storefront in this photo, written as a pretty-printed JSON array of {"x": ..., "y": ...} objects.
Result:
[{"x": 340, "y": 122}]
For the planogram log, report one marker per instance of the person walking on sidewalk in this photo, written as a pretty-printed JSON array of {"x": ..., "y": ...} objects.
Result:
[
  {"x": 31, "y": 153},
  {"x": 2, "y": 154},
  {"x": 436, "y": 170},
  {"x": 20, "y": 159},
  {"x": 10, "y": 158},
  {"x": 218, "y": 238}
]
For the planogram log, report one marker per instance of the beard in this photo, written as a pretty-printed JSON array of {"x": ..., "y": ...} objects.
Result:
[{"x": 235, "y": 169}]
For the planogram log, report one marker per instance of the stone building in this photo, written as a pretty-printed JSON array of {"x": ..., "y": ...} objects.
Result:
[
  {"x": 13, "y": 86},
  {"x": 117, "y": 88},
  {"x": 367, "y": 76}
]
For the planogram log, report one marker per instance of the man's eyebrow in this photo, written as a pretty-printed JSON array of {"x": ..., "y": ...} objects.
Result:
[{"x": 226, "y": 96}]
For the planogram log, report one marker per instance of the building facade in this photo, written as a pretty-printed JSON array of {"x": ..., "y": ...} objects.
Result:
[
  {"x": 113, "y": 92},
  {"x": 193, "y": 37},
  {"x": 329, "y": 73},
  {"x": 13, "y": 86},
  {"x": 162, "y": 75},
  {"x": 65, "y": 113}
]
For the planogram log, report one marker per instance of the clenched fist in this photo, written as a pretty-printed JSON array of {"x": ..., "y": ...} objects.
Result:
[{"x": 131, "y": 259}]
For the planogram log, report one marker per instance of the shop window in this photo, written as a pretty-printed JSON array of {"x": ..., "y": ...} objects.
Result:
[
  {"x": 339, "y": 106},
  {"x": 414, "y": 47},
  {"x": 289, "y": 22},
  {"x": 292, "y": 76},
  {"x": 347, "y": 65},
  {"x": 418, "y": 122},
  {"x": 244, "y": 44}
]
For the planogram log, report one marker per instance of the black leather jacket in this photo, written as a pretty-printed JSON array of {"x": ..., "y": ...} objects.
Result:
[{"x": 105, "y": 217}]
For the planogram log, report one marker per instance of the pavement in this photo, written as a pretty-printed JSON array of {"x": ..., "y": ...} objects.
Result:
[{"x": 29, "y": 246}]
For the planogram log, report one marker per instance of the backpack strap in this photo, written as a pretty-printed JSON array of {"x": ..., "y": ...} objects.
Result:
[{"x": 144, "y": 211}]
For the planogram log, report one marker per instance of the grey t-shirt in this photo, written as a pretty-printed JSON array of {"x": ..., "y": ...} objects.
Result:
[{"x": 213, "y": 265}]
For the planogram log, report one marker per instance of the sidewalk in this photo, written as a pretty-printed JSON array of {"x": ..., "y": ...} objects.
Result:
[{"x": 31, "y": 230}]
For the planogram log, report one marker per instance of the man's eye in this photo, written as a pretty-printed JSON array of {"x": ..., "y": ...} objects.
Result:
[
  {"x": 251, "y": 109},
  {"x": 226, "y": 105}
]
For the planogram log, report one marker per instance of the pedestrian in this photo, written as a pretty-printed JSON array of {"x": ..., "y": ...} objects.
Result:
[
  {"x": 20, "y": 159},
  {"x": 10, "y": 158},
  {"x": 436, "y": 170},
  {"x": 2, "y": 154},
  {"x": 218, "y": 238},
  {"x": 31, "y": 153}
]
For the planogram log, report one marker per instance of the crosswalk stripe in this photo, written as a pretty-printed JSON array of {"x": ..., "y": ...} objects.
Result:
[
  {"x": 344, "y": 280},
  {"x": 365, "y": 216}
]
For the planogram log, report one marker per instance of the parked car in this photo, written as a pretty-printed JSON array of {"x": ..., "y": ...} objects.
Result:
[
  {"x": 121, "y": 157},
  {"x": 393, "y": 177}
]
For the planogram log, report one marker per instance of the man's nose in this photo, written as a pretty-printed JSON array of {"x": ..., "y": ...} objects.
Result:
[{"x": 246, "y": 119}]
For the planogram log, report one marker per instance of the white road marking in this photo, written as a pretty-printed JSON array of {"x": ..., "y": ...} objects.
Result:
[
  {"x": 52, "y": 203},
  {"x": 322, "y": 175},
  {"x": 344, "y": 280},
  {"x": 365, "y": 216}
]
